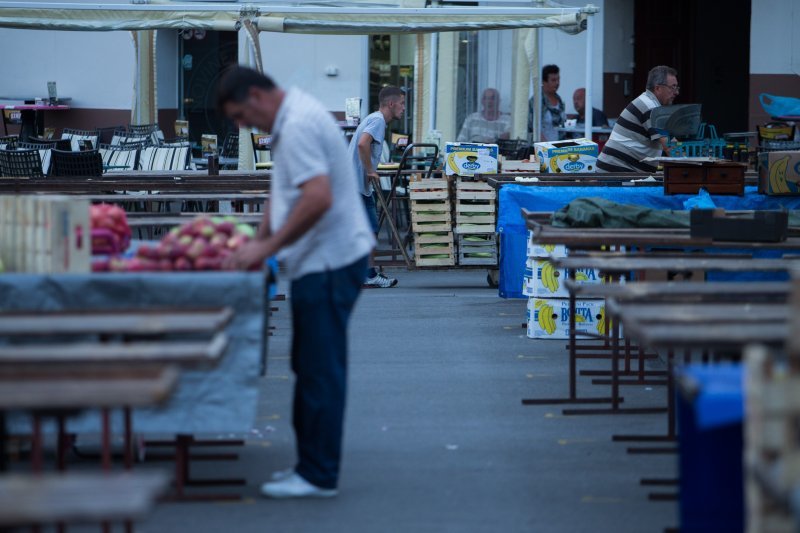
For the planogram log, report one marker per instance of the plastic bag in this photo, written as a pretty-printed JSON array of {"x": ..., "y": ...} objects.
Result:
[
  {"x": 780, "y": 106},
  {"x": 701, "y": 201}
]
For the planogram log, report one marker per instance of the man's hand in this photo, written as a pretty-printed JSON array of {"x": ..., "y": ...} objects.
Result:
[
  {"x": 369, "y": 176},
  {"x": 249, "y": 255}
]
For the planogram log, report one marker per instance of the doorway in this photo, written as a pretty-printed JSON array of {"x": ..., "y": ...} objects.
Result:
[
  {"x": 204, "y": 55},
  {"x": 708, "y": 43}
]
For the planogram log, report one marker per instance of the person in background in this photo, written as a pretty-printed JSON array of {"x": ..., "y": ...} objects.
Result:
[
  {"x": 323, "y": 244},
  {"x": 487, "y": 125},
  {"x": 599, "y": 119},
  {"x": 633, "y": 137},
  {"x": 365, "y": 150},
  {"x": 553, "y": 108}
]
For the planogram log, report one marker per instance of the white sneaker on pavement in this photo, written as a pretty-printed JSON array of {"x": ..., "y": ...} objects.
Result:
[
  {"x": 379, "y": 281},
  {"x": 295, "y": 486},
  {"x": 282, "y": 474}
]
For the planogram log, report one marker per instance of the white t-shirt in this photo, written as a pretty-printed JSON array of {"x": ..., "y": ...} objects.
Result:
[
  {"x": 306, "y": 143},
  {"x": 375, "y": 125}
]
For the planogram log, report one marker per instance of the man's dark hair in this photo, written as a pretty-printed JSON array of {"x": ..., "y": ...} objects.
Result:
[
  {"x": 547, "y": 70},
  {"x": 658, "y": 76},
  {"x": 388, "y": 93},
  {"x": 236, "y": 83}
]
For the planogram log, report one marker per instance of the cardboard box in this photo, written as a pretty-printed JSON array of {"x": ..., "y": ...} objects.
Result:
[
  {"x": 779, "y": 173},
  {"x": 545, "y": 281},
  {"x": 468, "y": 159},
  {"x": 543, "y": 251},
  {"x": 524, "y": 165},
  {"x": 574, "y": 155},
  {"x": 548, "y": 318}
]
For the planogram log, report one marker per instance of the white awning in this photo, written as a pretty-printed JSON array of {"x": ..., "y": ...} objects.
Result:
[{"x": 317, "y": 20}]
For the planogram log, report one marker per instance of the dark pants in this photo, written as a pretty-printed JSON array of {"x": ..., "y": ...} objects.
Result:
[{"x": 321, "y": 306}]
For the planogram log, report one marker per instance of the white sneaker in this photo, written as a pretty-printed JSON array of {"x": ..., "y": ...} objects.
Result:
[
  {"x": 280, "y": 475},
  {"x": 379, "y": 282},
  {"x": 295, "y": 486}
]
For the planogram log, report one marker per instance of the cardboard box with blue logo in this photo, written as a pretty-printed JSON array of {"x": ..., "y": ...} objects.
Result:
[
  {"x": 468, "y": 159},
  {"x": 574, "y": 155}
]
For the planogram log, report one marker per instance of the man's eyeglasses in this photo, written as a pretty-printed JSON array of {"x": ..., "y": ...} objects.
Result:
[{"x": 673, "y": 88}]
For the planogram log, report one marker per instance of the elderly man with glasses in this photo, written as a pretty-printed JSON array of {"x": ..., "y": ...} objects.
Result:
[{"x": 633, "y": 137}]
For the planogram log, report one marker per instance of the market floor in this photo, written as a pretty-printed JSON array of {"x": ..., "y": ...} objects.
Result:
[{"x": 436, "y": 437}]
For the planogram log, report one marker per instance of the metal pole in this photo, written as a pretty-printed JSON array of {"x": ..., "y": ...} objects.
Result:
[
  {"x": 434, "y": 78},
  {"x": 588, "y": 111}
]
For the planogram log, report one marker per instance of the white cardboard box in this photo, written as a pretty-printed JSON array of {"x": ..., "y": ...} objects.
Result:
[
  {"x": 468, "y": 159},
  {"x": 543, "y": 251},
  {"x": 574, "y": 155},
  {"x": 542, "y": 280},
  {"x": 548, "y": 318}
]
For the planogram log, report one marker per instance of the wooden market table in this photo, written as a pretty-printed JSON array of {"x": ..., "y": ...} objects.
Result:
[{"x": 77, "y": 497}]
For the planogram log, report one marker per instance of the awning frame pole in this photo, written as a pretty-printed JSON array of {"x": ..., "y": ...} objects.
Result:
[{"x": 588, "y": 108}]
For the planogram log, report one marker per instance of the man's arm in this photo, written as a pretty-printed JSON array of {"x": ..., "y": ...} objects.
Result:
[
  {"x": 663, "y": 141},
  {"x": 315, "y": 200},
  {"x": 265, "y": 230},
  {"x": 365, "y": 154}
]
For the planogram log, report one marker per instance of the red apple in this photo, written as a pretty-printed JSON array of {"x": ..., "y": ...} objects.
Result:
[
  {"x": 116, "y": 264},
  {"x": 100, "y": 266},
  {"x": 182, "y": 263},
  {"x": 196, "y": 249},
  {"x": 164, "y": 265},
  {"x": 226, "y": 227}
]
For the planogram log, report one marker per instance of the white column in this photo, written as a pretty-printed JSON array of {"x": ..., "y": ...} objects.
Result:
[{"x": 434, "y": 78}]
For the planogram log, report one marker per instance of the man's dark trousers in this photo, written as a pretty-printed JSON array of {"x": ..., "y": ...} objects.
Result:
[{"x": 321, "y": 307}]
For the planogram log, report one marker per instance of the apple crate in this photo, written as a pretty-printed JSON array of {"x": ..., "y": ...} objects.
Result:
[
  {"x": 45, "y": 234},
  {"x": 477, "y": 249}
]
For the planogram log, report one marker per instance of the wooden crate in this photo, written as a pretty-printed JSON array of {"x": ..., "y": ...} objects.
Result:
[
  {"x": 433, "y": 238},
  {"x": 431, "y": 216},
  {"x": 474, "y": 190},
  {"x": 426, "y": 245},
  {"x": 467, "y": 249},
  {"x": 429, "y": 189},
  {"x": 45, "y": 234}
]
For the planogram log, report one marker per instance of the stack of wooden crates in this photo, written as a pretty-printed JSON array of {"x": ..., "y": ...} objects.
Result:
[
  {"x": 45, "y": 234},
  {"x": 476, "y": 209},
  {"x": 432, "y": 222},
  {"x": 441, "y": 207}
]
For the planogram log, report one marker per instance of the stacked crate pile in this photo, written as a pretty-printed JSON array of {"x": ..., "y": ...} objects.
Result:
[
  {"x": 548, "y": 298},
  {"x": 476, "y": 210},
  {"x": 432, "y": 222}
]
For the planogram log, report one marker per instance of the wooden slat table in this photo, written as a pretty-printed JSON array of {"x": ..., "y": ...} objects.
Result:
[
  {"x": 111, "y": 321},
  {"x": 77, "y": 497},
  {"x": 639, "y": 237},
  {"x": 620, "y": 265}
]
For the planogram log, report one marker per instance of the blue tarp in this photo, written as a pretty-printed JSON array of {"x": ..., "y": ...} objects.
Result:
[{"x": 513, "y": 233}]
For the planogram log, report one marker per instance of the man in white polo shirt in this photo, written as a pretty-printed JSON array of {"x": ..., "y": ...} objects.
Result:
[{"x": 323, "y": 241}]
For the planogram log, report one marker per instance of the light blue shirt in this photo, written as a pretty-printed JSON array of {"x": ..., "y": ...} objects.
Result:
[{"x": 375, "y": 125}]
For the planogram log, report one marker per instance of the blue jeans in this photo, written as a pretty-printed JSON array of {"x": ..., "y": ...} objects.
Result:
[
  {"x": 321, "y": 307},
  {"x": 372, "y": 210}
]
